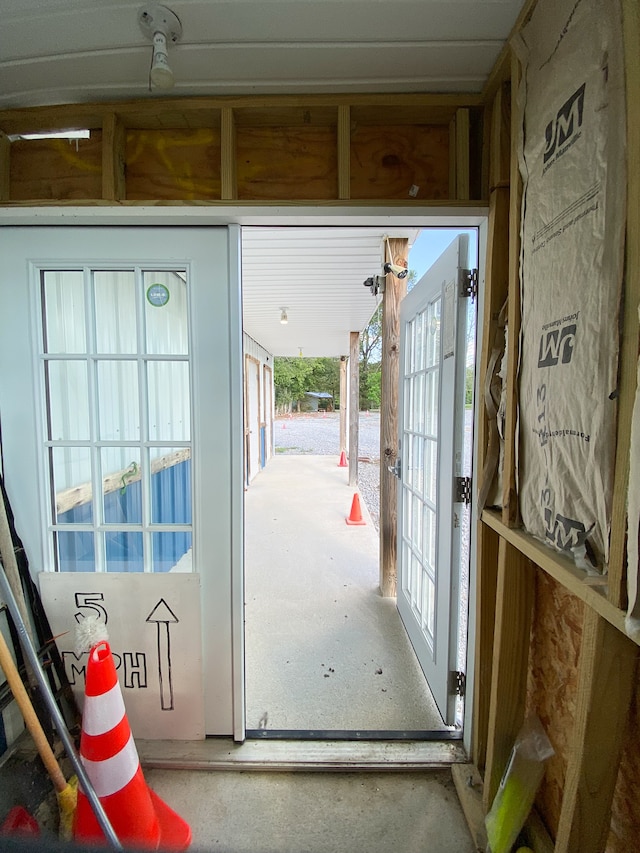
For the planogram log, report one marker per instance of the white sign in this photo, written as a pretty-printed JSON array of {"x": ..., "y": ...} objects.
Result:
[{"x": 153, "y": 623}]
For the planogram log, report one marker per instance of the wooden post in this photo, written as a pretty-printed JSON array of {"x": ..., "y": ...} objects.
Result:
[
  {"x": 514, "y": 609},
  {"x": 629, "y": 351},
  {"x": 343, "y": 403},
  {"x": 344, "y": 151},
  {"x": 354, "y": 406},
  {"x": 510, "y": 508},
  {"x": 606, "y": 680},
  {"x": 5, "y": 167},
  {"x": 113, "y": 158},
  {"x": 395, "y": 290},
  {"x": 496, "y": 289}
]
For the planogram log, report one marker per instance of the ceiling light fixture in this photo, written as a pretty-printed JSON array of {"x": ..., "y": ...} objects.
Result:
[
  {"x": 162, "y": 27},
  {"x": 284, "y": 319}
]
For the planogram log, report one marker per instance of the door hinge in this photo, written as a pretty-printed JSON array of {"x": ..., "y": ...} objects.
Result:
[
  {"x": 462, "y": 490},
  {"x": 468, "y": 280},
  {"x": 457, "y": 683}
]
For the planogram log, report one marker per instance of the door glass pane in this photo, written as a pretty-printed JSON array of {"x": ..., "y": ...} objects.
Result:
[
  {"x": 71, "y": 467},
  {"x": 75, "y": 551},
  {"x": 63, "y": 311},
  {"x": 169, "y": 407},
  {"x": 433, "y": 331},
  {"x": 118, "y": 405},
  {"x": 170, "y": 485},
  {"x": 428, "y": 607},
  {"x": 123, "y": 551},
  {"x": 430, "y": 469},
  {"x": 171, "y": 551},
  {"x": 432, "y": 402},
  {"x": 165, "y": 308},
  {"x": 430, "y": 537},
  {"x": 115, "y": 300},
  {"x": 121, "y": 485},
  {"x": 68, "y": 396}
]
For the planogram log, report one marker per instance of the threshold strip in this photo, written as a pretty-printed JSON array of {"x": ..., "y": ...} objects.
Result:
[
  {"x": 221, "y": 753},
  {"x": 353, "y": 734}
]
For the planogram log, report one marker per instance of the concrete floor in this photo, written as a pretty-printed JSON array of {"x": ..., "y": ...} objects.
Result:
[
  {"x": 266, "y": 812},
  {"x": 323, "y": 649}
]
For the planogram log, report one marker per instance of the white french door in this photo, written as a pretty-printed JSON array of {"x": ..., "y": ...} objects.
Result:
[
  {"x": 122, "y": 412},
  {"x": 433, "y": 320}
]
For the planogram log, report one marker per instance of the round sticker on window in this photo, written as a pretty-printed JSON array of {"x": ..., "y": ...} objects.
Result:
[{"x": 158, "y": 295}]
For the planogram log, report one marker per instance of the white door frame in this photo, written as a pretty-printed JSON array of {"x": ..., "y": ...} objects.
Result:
[{"x": 411, "y": 217}]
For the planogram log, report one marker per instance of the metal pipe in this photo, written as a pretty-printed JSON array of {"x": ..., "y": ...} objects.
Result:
[{"x": 56, "y": 714}]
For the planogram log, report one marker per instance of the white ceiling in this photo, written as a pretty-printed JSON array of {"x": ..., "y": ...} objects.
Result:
[
  {"x": 70, "y": 51},
  {"x": 317, "y": 275}
]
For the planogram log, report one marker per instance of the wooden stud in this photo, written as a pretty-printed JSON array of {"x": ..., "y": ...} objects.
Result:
[
  {"x": 486, "y": 589},
  {"x": 469, "y": 790},
  {"x": 228, "y": 166},
  {"x": 113, "y": 158},
  {"x": 514, "y": 608},
  {"x": 343, "y": 403},
  {"x": 5, "y": 167},
  {"x": 462, "y": 154},
  {"x": 510, "y": 508},
  {"x": 589, "y": 588},
  {"x": 606, "y": 679},
  {"x": 344, "y": 151},
  {"x": 496, "y": 287},
  {"x": 630, "y": 332},
  {"x": 395, "y": 290},
  {"x": 354, "y": 406}
]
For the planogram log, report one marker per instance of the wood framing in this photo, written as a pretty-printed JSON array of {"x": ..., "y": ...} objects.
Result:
[
  {"x": 318, "y": 148},
  {"x": 354, "y": 406},
  {"x": 395, "y": 290},
  {"x": 606, "y": 677}
]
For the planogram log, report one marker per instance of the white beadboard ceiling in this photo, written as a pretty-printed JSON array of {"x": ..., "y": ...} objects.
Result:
[
  {"x": 72, "y": 51},
  {"x": 317, "y": 275}
]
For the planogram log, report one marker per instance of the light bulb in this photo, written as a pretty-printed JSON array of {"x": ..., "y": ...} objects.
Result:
[{"x": 161, "y": 74}]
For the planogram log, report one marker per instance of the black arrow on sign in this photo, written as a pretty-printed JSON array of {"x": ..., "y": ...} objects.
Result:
[{"x": 162, "y": 615}]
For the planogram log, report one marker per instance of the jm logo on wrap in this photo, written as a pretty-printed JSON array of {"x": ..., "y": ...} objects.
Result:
[
  {"x": 565, "y": 533},
  {"x": 557, "y": 346},
  {"x": 566, "y": 124}
]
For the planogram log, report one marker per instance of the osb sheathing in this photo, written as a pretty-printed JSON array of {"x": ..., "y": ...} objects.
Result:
[
  {"x": 552, "y": 683},
  {"x": 625, "y": 814}
]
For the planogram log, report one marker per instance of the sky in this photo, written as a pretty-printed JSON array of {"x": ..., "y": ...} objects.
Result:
[{"x": 430, "y": 244}]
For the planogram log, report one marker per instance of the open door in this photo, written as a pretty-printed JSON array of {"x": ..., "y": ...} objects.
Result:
[{"x": 433, "y": 320}]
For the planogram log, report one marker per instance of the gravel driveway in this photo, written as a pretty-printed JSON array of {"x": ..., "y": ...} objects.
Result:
[{"x": 320, "y": 434}]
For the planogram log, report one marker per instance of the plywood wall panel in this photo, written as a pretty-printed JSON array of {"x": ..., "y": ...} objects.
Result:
[
  {"x": 552, "y": 686},
  {"x": 173, "y": 164},
  {"x": 56, "y": 168},
  {"x": 387, "y": 161},
  {"x": 292, "y": 163}
]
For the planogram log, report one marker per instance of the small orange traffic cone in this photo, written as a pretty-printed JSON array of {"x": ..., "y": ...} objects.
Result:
[
  {"x": 138, "y": 816},
  {"x": 355, "y": 516},
  {"x": 343, "y": 460}
]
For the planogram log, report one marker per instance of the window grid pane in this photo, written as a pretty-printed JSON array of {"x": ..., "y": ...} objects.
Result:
[{"x": 124, "y": 390}]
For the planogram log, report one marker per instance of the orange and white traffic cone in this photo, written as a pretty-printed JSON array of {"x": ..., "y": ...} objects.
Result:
[
  {"x": 138, "y": 816},
  {"x": 355, "y": 516},
  {"x": 343, "y": 460}
]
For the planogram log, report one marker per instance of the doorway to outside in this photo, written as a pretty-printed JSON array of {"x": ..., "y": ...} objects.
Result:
[{"x": 326, "y": 655}]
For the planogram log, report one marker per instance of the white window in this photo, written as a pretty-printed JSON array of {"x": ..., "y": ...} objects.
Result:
[{"x": 117, "y": 437}]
